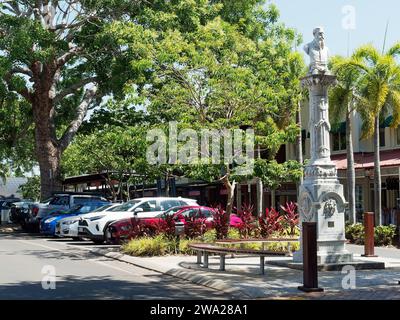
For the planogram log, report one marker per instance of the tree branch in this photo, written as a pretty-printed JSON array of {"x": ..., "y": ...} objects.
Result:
[
  {"x": 23, "y": 70},
  {"x": 77, "y": 85},
  {"x": 23, "y": 91},
  {"x": 61, "y": 61},
  {"x": 81, "y": 113}
]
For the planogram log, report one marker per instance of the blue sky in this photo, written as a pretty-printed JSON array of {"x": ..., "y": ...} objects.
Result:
[{"x": 368, "y": 26}]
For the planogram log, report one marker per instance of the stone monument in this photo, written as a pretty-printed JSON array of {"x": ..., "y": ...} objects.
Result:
[{"x": 321, "y": 198}]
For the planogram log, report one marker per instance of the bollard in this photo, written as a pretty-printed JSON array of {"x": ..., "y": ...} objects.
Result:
[
  {"x": 179, "y": 231},
  {"x": 369, "y": 245},
  {"x": 310, "y": 262}
]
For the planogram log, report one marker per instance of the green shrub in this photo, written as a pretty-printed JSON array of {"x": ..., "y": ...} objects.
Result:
[
  {"x": 355, "y": 233},
  {"x": 383, "y": 235},
  {"x": 184, "y": 247},
  {"x": 210, "y": 236},
  {"x": 233, "y": 233},
  {"x": 282, "y": 246},
  {"x": 149, "y": 247}
]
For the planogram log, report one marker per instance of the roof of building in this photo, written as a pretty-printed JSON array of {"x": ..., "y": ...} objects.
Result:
[
  {"x": 365, "y": 160},
  {"x": 10, "y": 187}
]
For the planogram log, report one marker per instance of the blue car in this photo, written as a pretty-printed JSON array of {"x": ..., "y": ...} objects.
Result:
[{"x": 48, "y": 224}]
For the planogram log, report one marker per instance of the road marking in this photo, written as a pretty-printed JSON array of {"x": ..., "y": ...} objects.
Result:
[{"x": 76, "y": 254}]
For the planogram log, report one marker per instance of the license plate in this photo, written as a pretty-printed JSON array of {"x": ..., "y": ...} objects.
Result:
[{"x": 81, "y": 229}]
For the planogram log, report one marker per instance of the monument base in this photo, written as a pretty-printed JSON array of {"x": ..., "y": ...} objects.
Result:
[
  {"x": 357, "y": 264},
  {"x": 326, "y": 258}
]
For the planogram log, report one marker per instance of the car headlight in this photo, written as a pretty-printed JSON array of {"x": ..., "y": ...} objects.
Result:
[
  {"x": 50, "y": 220},
  {"x": 96, "y": 218},
  {"x": 70, "y": 222}
]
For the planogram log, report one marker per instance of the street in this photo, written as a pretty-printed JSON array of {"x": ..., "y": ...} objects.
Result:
[{"x": 81, "y": 274}]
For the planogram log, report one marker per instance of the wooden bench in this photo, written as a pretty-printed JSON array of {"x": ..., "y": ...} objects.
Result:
[{"x": 204, "y": 249}]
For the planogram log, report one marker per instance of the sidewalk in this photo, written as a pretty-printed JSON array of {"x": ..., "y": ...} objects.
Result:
[{"x": 242, "y": 277}]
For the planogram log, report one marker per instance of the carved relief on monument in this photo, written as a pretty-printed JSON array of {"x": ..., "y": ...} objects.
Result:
[
  {"x": 332, "y": 203},
  {"x": 320, "y": 172},
  {"x": 305, "y": 207},
  {"x": 330, "y": 208}
]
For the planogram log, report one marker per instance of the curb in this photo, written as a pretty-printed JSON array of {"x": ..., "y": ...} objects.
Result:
[{"x": 195, "y": 278}]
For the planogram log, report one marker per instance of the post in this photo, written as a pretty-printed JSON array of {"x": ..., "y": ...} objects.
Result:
[
  {"x": 179, "y": 231},
  {"x": 369, "y": 245},
  {"x": 310, "y": 265}
]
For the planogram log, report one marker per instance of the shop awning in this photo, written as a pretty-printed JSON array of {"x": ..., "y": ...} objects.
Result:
[{"x": 389, "y": 158}]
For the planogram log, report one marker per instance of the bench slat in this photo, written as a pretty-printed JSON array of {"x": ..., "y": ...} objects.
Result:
[{"x": 218, "y": 249}]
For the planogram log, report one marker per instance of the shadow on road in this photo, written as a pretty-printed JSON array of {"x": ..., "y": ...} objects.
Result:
[{"x": 105, "y": 288}]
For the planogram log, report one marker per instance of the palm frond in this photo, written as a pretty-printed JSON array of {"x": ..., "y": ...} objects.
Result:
[
  {"x": 394, "y": 101},
  {"x": 367, "y": 52},
  {"x": 394, "y": 51}
]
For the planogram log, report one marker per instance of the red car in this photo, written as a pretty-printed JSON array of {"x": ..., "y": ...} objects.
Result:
[{"x": 122, "y": 229}]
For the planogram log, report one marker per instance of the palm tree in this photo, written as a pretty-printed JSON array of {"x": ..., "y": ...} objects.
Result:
[
  {"x": 379, "y": 89},
  {"x": 343, "y": 102}
]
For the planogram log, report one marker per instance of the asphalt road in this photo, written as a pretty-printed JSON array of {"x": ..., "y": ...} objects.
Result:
[{"x": 28, "y": 261}]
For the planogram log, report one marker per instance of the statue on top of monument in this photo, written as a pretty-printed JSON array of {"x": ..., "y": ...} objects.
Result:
[{"x": 318, "y": 53}]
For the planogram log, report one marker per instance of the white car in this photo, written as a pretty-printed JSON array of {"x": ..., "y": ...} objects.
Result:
[
  {"x": 94, "y": 225},
  {"x": 68, "y": 227}
]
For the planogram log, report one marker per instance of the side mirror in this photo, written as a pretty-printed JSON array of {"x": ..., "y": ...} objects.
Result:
[{"x": 137, "y": 210}]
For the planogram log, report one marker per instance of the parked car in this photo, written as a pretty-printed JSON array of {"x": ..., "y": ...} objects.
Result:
[
  {"x": 121, "y": 230},
  {"x": 19, "y": 212},
  {"x": 68, "y": 227},
  {"x": 5, "y": 209},
  {"x": 48, "y": 224},
  {"x": 94, "y": 225},
  {"x": 59, "y": 201}
]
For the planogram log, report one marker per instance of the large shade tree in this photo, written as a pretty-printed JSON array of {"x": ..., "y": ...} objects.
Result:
[
  {"x": 225, "y": 75},
  {"x": 53, "y": 60},
  {"x": 61, "y": 58}
]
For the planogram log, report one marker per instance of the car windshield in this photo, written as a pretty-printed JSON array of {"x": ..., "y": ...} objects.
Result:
[
  {"x": 47, "y": 200},
  {"x": 104, "y": 208},
  {"x": 72, "y": 210},
  {"x": 169, "y": 212},
  {"x": 126, "y": 206}
]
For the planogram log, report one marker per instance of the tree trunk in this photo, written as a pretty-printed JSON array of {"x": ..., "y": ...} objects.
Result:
[
  {"x": 167, "y": 185},
  {"x": 48, "y": 151},
  {"x": 273, "y": 199},
  {"x": 230, "y": 187},
  {"x": 351, "y": 175},
  {"x": 260, "y": 194},
  {"x": 260, "y": 189},
  {"x": 377, "y": 177}
]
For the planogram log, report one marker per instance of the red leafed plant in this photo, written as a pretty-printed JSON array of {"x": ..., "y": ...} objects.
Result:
[
  {"x": 167, "y": 226},
  {"x": 291, "y": 216},
  {"x": 221, "y": 223},
  {"x": 270, "y": 223},
  {"x": 141, "y": 229},
  {"x": 195, "y": 226},
  {"x": 247, "y": 225}
]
